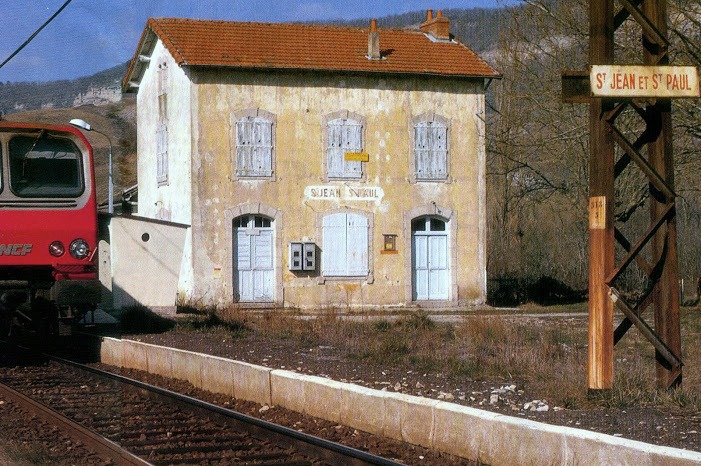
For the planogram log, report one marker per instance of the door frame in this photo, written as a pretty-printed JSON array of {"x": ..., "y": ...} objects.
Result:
[
  {"x": 277, "y": 223},
  {"x": 430, "y": 236},
  {"x": 251, "y": 233},
  {"x": 450, "y": 217}
]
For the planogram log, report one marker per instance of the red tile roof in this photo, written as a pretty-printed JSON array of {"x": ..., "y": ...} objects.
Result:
[{"x": 304, "y": 47}]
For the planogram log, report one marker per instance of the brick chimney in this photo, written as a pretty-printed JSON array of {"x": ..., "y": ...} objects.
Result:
[
  {"x": 438, "y": 27},
  {"x": 374, "y": 42}
]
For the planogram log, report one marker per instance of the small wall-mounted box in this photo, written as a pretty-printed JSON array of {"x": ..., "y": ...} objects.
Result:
[{"x": 302, "y": 256}]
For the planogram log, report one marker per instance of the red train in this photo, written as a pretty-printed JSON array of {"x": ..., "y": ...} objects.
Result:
[{"x": 48, "y": 226}]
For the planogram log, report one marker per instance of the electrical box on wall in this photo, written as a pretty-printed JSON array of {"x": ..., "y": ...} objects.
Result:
[
  {"x": 302, "y": 256},
  {"x": 296, "y": 256},
  {"x": 309, "y": 256}
]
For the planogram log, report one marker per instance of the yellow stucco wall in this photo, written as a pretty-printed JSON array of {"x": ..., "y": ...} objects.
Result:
[{"x": 299, "y": 103}]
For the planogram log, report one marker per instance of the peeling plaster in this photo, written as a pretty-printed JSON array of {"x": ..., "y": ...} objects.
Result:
[{"x": 299, "y": 104}]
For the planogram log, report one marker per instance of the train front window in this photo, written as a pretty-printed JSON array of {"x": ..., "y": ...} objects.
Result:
[{"x": 45, "y": 167}]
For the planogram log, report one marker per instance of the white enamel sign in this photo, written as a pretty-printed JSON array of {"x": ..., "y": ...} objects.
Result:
[{"x": 644, "y": 81}]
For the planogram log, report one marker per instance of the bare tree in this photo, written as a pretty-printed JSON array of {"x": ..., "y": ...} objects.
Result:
[{"x": 538, "y": 147}]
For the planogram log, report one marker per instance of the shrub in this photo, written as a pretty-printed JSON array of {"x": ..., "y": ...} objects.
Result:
[
  {"x": 418, "y": 321},
  {"x": 213, "y": 322}
]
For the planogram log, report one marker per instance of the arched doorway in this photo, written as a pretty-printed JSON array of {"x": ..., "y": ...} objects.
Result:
[
  {"x": 430, "y": 259},
  {"x": 254, "y": 253}
]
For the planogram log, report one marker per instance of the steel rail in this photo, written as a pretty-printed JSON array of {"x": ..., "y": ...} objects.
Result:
[
  {"x": 332, "y": 452},
  {"x": 102, "y": 446}
]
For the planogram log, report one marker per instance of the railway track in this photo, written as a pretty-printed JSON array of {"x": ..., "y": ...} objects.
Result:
[{"x": 129, "y": 422}]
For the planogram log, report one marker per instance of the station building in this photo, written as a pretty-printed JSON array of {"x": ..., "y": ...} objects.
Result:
[{"x": 313, "y": 166}]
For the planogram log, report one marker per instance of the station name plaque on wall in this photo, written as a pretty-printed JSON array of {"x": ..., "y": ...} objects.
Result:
[{"x": 344, "y": 193}]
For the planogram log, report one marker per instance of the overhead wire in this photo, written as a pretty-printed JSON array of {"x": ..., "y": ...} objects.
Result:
[{"x": 26, "y": 42}]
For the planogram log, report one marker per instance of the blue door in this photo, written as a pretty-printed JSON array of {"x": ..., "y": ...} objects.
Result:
[
  {"x": 430, "y": 263},
  {"x": 253, "y": 259}
]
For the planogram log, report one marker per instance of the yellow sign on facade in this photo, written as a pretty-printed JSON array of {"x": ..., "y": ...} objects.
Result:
[
  {"x": 357, "y": 156},
  {"x": 644, "y": 81}
]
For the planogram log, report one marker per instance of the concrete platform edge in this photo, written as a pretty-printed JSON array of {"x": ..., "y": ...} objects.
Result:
[{"x": 491, "y": 438}]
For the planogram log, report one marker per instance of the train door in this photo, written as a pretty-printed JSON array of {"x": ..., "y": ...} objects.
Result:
[
  {"x": 253, "y": 250},
  {"x": 430, "y": 259}
]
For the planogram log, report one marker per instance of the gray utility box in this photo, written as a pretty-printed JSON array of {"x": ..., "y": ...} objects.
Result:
[{"x": 302, "y": 256}]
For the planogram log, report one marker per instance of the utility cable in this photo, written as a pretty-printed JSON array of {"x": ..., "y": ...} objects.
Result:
[{"x": 26, "y": 42}]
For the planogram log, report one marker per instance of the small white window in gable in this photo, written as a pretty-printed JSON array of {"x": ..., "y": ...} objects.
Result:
[
  {"x": 254, "y": 146},
  {"x": 431, "y": 150},
  {"x": 344, "y": 135},
  {"x": 162, "y": 78},
  {"x": 162, "y": 91},
  {"x": 345, "y": 245},
  {"x": 162, "y": 153}
]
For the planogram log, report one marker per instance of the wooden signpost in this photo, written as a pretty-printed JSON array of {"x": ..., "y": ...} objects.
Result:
[{"x": 644, "y": 91}]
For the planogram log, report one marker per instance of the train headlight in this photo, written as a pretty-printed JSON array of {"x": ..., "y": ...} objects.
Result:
[
  {"x": 79, "y": 249},
  {"x": 57, "y": 249}
]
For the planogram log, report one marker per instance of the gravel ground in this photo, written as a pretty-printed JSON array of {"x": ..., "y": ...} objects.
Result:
[
  {"x": 29, "y": 443},
  {"x": 26, "y": 440},
  {"x": 661, "y": 427},
  {"x": 391, "y": 449}
]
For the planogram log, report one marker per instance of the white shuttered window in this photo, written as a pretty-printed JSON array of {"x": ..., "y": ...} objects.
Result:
[
  {"x": 345, "y": 245},
  {"x": 254, "y": 147},
  {"x": 344, "y": 135},
  {"x": 162, "y": 153},
  {"x": 431, "y": 150}
]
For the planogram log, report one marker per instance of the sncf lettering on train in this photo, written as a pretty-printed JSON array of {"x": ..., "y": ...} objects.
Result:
[{"x": 15, "y": 249}]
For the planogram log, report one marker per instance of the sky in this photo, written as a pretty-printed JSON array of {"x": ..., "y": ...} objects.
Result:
[{"x": 89, "y": 36}]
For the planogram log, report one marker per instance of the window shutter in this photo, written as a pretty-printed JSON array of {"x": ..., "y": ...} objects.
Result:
[
  {"x": 344, "y": 136},
  {"x": 243, "y": 146},
  {"x": 254, "y": 147},
  {"x": 438, "y": 151},
  {"x": 334, "y": 245},
  {"x": 264, "y": 147},
  {"x": 353, "y": 143},
  {"x": 357, "y": 245},
  {"x": 345, "y": 245},
  {"x": 162, "y": 152},
  {"x": 421, "y": 150},
  {"x": 431, "y": 150},
  {"x": 162, "y": 91},
  {"x": 335, "y": 149}
]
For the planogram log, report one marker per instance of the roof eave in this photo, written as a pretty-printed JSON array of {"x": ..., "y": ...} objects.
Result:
[
  {"x": 348, "y": 71},
  {"x": 149, "y": 38},
  {"x": 137, "y": 66}
]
